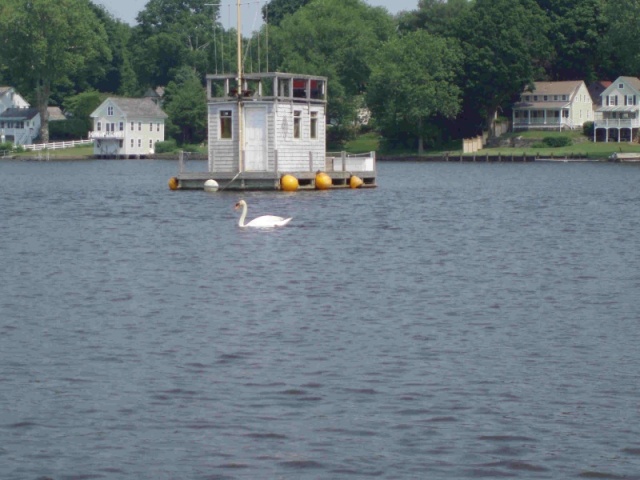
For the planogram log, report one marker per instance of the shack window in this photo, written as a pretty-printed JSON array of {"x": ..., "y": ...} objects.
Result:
[
  {"x": 314, "y": 125},
  {"x": 226, "y": 118},
  {"x": 110, "y": 111},
  {"x": 297, "y": 119}
]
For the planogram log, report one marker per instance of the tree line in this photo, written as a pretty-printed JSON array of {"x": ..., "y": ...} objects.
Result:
[{"x": 443, "y": 71}]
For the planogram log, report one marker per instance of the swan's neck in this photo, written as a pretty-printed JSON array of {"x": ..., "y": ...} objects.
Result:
[{"x": 243, "y": 216}]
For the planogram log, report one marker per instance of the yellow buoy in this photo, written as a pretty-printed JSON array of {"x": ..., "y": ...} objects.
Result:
[
  {"x": 355, "y": 182},
  {"x": 173, "y": 183},
  {"x": 289, "y": 183},
  {"x": 323, "y": 181}
]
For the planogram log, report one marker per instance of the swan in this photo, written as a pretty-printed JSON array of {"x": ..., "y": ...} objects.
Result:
[{"x": 266, "y": 221}]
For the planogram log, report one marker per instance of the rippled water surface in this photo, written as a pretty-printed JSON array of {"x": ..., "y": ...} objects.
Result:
[{"x": 459, "y": 321}]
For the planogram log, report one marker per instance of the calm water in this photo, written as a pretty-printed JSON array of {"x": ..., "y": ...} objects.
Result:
[{"x": 459, "y": 321}]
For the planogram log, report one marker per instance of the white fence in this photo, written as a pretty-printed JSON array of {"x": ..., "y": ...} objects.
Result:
[{"x": 56, "y": 145}]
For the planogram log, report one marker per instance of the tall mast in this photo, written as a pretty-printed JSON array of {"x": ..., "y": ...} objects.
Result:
[
  {"x": 239, "y": 47},
  {"x": 240, "y": 93}
]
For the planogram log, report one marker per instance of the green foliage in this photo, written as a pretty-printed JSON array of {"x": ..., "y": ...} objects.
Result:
[
  {"x": 274, "y": 11},
  {"x": 505, "y": 45},
  {"x": 587, "y": 129},
  {"x": 168, "y": 146},
  {"x": 5, "y": 146},
  {"x": 556, "y": 142},
  {"x": 186, "y": 104},
  {"x": 172, "y": 34},
  {"x": 414, "y": 80},
  {"x": 70, "y": 129},
  {"x": 82, "y": 105},
  {"x": 337, "y": 39},
  {"x": 67, "y": 40}
]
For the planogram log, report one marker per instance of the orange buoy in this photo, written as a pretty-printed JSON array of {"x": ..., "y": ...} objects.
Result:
[
  {"x": 323, "y": 181},
  {"x": 173, "y": 183},
  {"x": 355, "y": 182},
  {"x": 289, "y": 183}
]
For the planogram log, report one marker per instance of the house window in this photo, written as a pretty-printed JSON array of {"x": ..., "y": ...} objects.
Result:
[
  {"x": 314, "y": 125},
  {"x": 545, "y": 98},
  {"x": 158, "y": 127},
  {"x": 132, "y": 144},
  {"x": 621, "y": 86},
  {"x": 110, "y": 110},
  {"x": 226, "y": 124},
  {"x": 151, "y": 126},
  {"x": 139, "y": 126},
  {"x": 121, "y": 142},
  {"x": 121, "y": 126},
  {"x": 297, "y": 120},
  {"x": 139, "y": 142},
  {"x": 564, "y": 98},
  {"x": 150, "y": 144},
  {"x": 555, "y": 98},
  {"x": 132, "y": 126},
  {"x": 535, "y": 98},
  {"x": 99, "y": 126}
]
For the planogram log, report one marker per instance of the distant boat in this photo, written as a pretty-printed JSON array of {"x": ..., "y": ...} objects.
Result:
[{"x": 625, "y": 157}]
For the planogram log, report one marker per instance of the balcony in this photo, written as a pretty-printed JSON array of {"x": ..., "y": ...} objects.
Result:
[
  {"x": 106, "y": 135},
  {"x": 617, "y": 123}
]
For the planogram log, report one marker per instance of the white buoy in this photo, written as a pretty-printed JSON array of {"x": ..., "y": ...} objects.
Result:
[{"x": 211, "y": 185}]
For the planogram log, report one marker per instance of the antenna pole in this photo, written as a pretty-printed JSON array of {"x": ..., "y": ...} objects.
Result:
[{"x": 240, "y": 94}]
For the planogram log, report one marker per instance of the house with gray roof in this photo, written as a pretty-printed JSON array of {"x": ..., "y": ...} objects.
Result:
[
  {"x": 618, "y": 117},
  {"x": 553, "y": 106},
  {"x": 127, "y": 127},
  {"x": 19, "y": 124}
]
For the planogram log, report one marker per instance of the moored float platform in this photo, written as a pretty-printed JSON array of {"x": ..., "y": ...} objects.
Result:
[
  {"x": 266, "y": 181},
  {"x": 343, "y": 170}
]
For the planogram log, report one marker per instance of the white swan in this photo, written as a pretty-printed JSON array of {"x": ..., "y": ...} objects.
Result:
[{"x": 266, "y": 221}]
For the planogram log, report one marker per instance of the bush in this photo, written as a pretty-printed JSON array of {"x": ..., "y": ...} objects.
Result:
[
  {"x": 168, "y": 146},
  {"x": 556, "y": 142},
  {"x": 71, "y": 129},
  {"x": 587, "y": 129},
  {"x": 6, "y": 146}
]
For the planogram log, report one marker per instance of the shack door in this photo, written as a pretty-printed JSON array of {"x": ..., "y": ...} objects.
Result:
[{"x": 255, "y": 139}]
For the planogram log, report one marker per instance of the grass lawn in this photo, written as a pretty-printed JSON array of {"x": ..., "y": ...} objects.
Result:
[{"x": 582, "y": 146}]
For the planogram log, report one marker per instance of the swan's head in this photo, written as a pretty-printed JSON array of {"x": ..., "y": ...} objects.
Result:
[{"x": 241, "y": 203}]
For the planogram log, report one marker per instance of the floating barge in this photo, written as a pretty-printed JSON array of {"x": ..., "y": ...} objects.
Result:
[{"x": 265, "y": 126}]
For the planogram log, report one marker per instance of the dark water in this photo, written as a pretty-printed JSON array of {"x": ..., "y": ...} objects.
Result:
[{"x": 459, "y": 321}]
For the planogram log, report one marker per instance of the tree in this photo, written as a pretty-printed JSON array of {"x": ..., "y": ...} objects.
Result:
[
  {"x": 621, "y": 40},
  {"x": 415, "y": 79},
  {"x": 505, "y": 44},
  {"x": 576, "y": 32},
  {"x": 45, "y": 42},
  {"x": 82, "y": 105},
  {"x": 437, "y": 17},
  {"x": 275, "y": 11},
  {"x": 118, "y": 75},
  {"x": 186, "y": 104},
  {"x": 171, "y": 34},
  {"x": 337, "y": 39}
]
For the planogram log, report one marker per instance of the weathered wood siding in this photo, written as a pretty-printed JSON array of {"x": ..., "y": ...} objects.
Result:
[
  {"x": 294, "y": 153},
  {"x": 223, "y": 153}
]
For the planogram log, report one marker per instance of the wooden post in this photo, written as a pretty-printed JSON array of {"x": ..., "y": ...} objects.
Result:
[
  {"x": 181, "y": 161},
  {"x": 311, "y": 161}
]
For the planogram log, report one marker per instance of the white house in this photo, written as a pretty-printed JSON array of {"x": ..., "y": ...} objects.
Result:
[
  {"x": 553, "y": 106},
  {"x": 128, "y": 127},
  {"x": 19, "y": 123},
  {"x": 618, "y": 116},
  {"x": 275, "y": 124}
]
